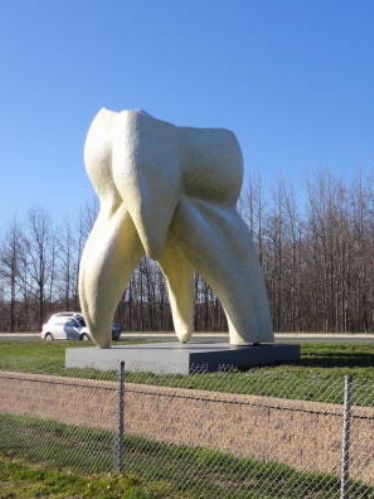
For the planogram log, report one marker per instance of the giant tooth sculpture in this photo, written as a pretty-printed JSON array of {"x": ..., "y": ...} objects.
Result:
[{"x": 169, "y": 192}]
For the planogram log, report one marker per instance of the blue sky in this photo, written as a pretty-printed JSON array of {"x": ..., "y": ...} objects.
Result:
[{"x": 294, "y": 79}]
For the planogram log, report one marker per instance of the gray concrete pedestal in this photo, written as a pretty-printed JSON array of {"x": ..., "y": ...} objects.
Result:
[{"x": 179, "y": 358}]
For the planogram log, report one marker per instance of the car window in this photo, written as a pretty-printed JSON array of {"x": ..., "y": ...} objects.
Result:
[{"x": 81, "y": 321}]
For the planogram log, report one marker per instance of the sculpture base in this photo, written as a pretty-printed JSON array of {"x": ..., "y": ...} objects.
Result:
[{"x": 181, "y": 358}]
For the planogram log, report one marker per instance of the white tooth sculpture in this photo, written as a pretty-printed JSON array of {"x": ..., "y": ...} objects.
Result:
[{"x": 169, "y": 192}]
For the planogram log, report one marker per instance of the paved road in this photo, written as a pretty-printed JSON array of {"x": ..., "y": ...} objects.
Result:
[
  {"x": 326, "y": 338},
  {"x": 19, "y": 336},
  {"x": 284, "y": 338}
]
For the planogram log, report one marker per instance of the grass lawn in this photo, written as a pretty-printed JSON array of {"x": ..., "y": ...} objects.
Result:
[
  {"x": 168, "y": 470},
  {"x": 317, "y": 376},
  {"x": 317, "y": 358},
  {"x": 44, "y": 350},
  {"x": 19, "y": 480}
]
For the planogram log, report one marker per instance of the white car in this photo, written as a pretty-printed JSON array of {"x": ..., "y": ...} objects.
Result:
[{"x": 70, "y": 326}]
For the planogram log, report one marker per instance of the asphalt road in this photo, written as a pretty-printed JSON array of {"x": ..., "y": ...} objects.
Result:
[
  {"x": 19, "y": 336},
  {"x": 283, "y": 338}
]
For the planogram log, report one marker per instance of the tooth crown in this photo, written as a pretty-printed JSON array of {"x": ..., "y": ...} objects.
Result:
[{"x": 169, "y": 192}]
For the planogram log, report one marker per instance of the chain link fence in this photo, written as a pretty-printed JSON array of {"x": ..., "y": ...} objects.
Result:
[{"x": 264, "y": 433}]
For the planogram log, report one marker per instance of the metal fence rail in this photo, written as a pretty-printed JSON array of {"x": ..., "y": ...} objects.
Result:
[{"x": 264, "y": 434}]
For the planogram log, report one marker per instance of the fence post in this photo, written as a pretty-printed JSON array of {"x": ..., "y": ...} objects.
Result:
[
  {"x": 120, "y": 444},
  {"x": 346, "y": 437}
]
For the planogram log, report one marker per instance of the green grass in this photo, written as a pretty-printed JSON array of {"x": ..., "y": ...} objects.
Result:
[
  {"x": 318, "y": 376},
  {"x": 169, "y": 470},
  {"x": 20, "y": 480},
  {"x": 317, "y": 358},
  {"x": 45, "y": 351}
]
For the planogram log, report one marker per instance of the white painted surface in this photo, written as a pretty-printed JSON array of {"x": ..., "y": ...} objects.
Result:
[{"x": 169, "y": 192}]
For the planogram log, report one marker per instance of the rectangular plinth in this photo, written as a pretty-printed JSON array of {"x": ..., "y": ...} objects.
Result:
[{"x": 179, "y": 358}]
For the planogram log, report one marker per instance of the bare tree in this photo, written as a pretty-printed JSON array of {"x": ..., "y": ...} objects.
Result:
[
  {"x": 38, "y": 257},
  {"x": 67, "y": 270},
  {"x": 9, "y": 266}
]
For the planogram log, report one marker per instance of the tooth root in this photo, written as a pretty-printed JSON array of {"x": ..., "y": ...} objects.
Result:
[
  {"x": 110, "y": 256},
  {"x": 217, "y": 243},
  {"x": 145, "y": 170},
  {"x": 179, "y": 275}
]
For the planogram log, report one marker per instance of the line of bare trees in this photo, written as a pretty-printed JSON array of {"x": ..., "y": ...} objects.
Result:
[{"x": 316, "y": 250}]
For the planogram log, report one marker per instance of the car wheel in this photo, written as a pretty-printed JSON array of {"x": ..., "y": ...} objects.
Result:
[
  {"x": 85, "y": 337},
  {"x": 48, "y": 337}
]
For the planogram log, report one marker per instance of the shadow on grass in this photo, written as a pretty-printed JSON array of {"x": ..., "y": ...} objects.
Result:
[{"x": 337, "y": 360}]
